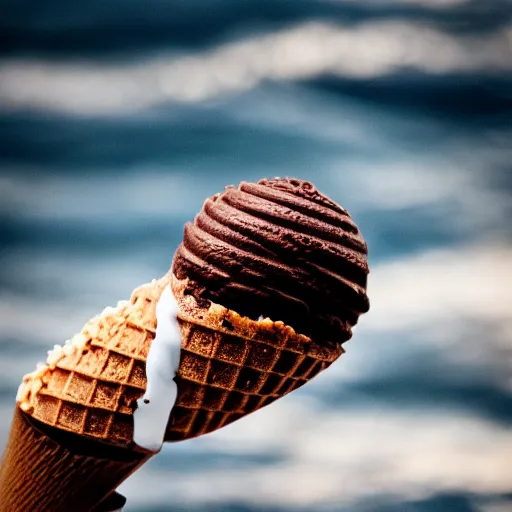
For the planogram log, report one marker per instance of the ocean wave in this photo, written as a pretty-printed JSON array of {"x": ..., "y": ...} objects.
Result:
[
  {"x": 124, "y": 29},
  {"x": 303, "y": 52}
]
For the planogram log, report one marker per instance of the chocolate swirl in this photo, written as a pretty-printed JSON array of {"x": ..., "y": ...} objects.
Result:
[{"x": 278, "y": 248}]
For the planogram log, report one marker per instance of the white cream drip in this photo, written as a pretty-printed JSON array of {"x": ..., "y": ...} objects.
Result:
[{"x": 154, "y": 408}]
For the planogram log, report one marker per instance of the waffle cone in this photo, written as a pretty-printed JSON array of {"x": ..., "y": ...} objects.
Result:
[
  {"x": 91, "y": 384},
  {"x": 229, "y": 367},
  {"x": 41, "y": 474}
]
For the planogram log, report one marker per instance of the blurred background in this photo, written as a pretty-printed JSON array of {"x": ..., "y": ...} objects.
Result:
[{"x": 117, "y": 119}]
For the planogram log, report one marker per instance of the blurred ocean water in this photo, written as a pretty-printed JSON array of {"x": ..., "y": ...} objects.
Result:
[{"x": 117, "y": 120}]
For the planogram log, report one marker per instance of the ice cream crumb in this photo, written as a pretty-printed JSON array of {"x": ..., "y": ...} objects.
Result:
[
  {"x": 25, "y": 406},
  {"x": 38, "y": 384},
  {"x": 54, "y": 355},
  {"x": 22, "y": 393},
  {"x": 92, "y": 330},
  {"x": 67, "y": 350},
  {"x": 154, "y": 408}
]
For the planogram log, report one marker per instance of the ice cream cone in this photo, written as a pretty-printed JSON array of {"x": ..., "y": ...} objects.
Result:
[
  {"x": 229, "y": 366},
  {"x": 294, "y": 254}
]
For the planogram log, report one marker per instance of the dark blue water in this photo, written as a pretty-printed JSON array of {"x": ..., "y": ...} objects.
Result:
[{"x": 118, "y": 119}]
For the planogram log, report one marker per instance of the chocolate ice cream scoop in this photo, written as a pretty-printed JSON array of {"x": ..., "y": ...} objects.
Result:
[{"x": 280, "y": 249}]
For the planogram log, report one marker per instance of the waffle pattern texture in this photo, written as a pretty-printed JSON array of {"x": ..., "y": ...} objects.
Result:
[
  {"x": 229, "y": 367},
  {"x": 40, "y": 474},
  {"x": 91, "y": 384}
]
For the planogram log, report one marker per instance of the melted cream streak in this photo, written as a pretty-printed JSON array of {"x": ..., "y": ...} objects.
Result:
[{"x": 154, "y": 408}]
